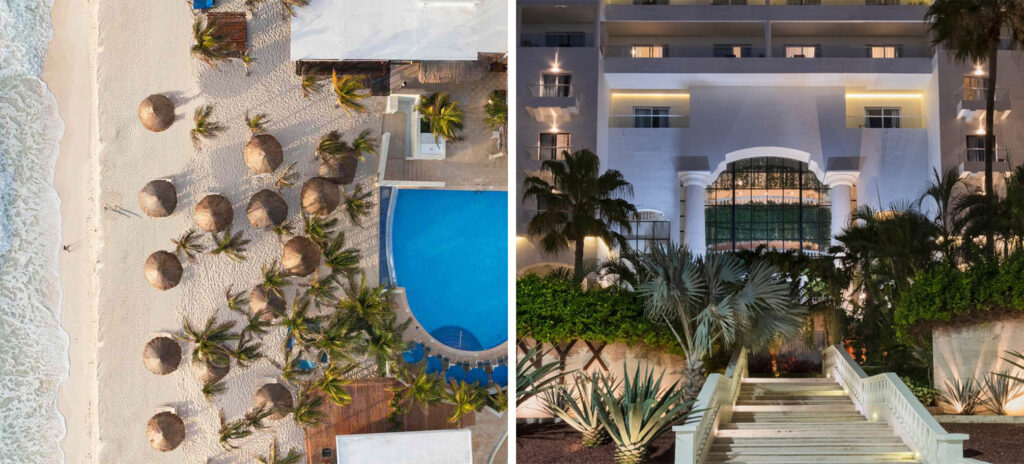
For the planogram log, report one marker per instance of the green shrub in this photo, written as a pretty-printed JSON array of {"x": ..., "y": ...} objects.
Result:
[
  {"x": 553, "y": 310},
  {"x": 924, "y": 392}
]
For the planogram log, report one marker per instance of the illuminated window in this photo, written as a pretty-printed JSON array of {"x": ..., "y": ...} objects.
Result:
[
  {"x": 882, "y": 118},
  {"x": 551, "y": 145},
  {"x": 802, "y": 51},
  {"x": 731, "y": 51},
  {"x": 556, "y": 85},
  {"x": 885, "y": 51},
  {"x": 650, "y": 116},
  {"x": 649, "y": 51}
]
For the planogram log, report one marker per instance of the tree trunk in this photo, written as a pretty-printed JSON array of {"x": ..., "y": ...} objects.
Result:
[
  {"x": 990, "y": 138},
  {"x": 694, "y": 378},
  {"x": 578, "y": 261}
]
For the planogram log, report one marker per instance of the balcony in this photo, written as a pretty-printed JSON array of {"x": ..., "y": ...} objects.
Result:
[
  {"x": 556, "y": 40},
  {"x": 551, "y": 103},
  {"x": 971, "y": 103},
  {"x": 545, "y": 153},
  {"x": 771, "y": 3},
  {"x": 635, "y": 121},
  {"x": 972, "y": 160},
  {"x": 760, "y": 10},
  {"x": 885, "y": 122}
]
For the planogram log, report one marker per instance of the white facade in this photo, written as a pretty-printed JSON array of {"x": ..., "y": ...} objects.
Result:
[
  {"x": 425, "y": 447},
  {"x": 735, "y": 82}
]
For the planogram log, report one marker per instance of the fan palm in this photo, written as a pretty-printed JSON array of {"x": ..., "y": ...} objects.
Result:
[
  {"x": 715, "y": 300},
  {"x": 210, "y": 341},
  {"x": 342, "y": 260},
  {"x": 210, "y": 46},
  {"x": 257, "y": 123},
  {"x": 971, "y": 32},
  {"x": 333, "y": 383},
  {"x": 349, "y": 90},
  {"x": 442, "y": 115},
  {"x": 188, "y": 245},
  {"x": 309, "y": 84},
  {"x": 578, "y": 408},
  {"x": 307, "y": 412},
  {"x": 643, "y": 411},
  {"x": 230, "y": 245},
  {"x": 357, "y": 204},
  {"x": 272, "y": 457},
  {"x": 465, "y": 398},
  {"x": 578, "y": 202},
  {"x": 205, "y": 126}
]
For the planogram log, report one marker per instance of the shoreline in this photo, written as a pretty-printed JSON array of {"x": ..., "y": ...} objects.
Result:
[{"x": 68, "y": 59}]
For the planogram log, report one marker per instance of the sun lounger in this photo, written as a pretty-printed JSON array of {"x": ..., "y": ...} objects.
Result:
[{"x": 202, "y": 4}]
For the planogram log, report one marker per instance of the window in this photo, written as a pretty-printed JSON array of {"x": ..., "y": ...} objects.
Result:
[
  {"x": 556, "y": 85},
  {"x": 565, "y": 39},
  {"x": 882, "y": 118},
  {"x": 885, "y": 51},
  {"x": 975, "y": 87},
  {"x": 803, "y": 51},
  {"x": 774, "y": 202},
  {"x": 649, "y": 51},
  {"x": 644, "y": 234},
  {"x": 551, "y": 145},
  {"x": 650, "y": 2},
  {"x": 650, "y": 116},
  {"x": 731, "y": 51},
  {"x": 976, "y": 150}
]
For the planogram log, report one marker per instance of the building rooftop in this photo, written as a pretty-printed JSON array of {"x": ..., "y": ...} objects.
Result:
[{"x": 399, "y": 30}]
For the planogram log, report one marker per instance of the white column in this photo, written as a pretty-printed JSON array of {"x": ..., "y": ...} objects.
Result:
[
  {"x": 695, "y": 184},
  {"x": 840, "y": 184}
]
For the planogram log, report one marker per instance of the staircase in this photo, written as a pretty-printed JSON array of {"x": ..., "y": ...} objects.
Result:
[{"x": 802, "y": 421}]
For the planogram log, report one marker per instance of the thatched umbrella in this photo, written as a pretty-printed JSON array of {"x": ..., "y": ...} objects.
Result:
[
  {"x": 263, "y": 153},
  {"x": 276, "y": 397},
  {"x": 266, "y": 209},
  {"x": 207, "y": 373},
  {"x": 161, "y": 355},
  {"x": 301, "y": 256},
  {"x": 214, "y": 213},
  {"x": 156, "y": 112},
  {"x": 158, "y": 198},
  {"x": 340, "y": 171},
  {"x": 163, "y": 270},
  {"x": 268, "y": 304},
  {"x": 320, "y": 196},
  {"x": 166, "y": 431}
]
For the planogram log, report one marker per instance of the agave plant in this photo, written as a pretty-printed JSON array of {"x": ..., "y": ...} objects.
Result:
[
  {"x": 319, "y": 229},
  {"x": 287, "y": 178},
  {"x": 210, "y": 341},
  {"x": 256, "y": 123},
  {"x": 349, "y": 90},
  {"x": 534, "y": 378},
  {"x": 1000, "y": 389},
  {"x": 578, "y": 407},
  {"x": 419, "y": 387},
  {"x": 442, "y": 115},
  {"x": 465, "y": 398},
  {"x": 357, "y": 204},
  {"x": 342, "y": 260},
  {"x": 273, "y": 457},
  {"x": 210, "y": 46},
  {"x": 640, "y": 413},
  {"x": 291, "y": 5},
  {"x": 309, "y": 84},
  {"x": 333, "y": 383},
  {"x": 232, "y": 246},
  {"x": 188, "y": 245},
  {"x": 307, "y": 412},
  {"x": 205, "y": 126},
  {"x": 963, "y": 396}
]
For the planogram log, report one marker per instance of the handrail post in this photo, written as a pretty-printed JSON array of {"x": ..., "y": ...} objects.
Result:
[{"x": 686, "y": 444}]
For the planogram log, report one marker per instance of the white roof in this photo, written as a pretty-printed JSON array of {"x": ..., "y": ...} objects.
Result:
[
  {"x": 427, "y": 447},
  {"x": 399, "y": 29}
]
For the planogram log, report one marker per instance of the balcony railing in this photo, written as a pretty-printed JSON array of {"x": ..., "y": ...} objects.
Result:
[
  {"x": 979, "y": 93},
  {"x": 885, "y": 122},
  {"x": 684, "y": 51},
  {"x": 771, "y": 3},
  {"x": 552, "y": 90},
  {"x": 548, "y": 153},
  {"x": 977, "y": 155},
  {"x": 632, "y": 121},
  {"x": 566, "y": 40}
]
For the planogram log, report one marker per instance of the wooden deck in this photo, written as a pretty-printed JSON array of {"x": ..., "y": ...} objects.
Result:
[
  {"x": 233, "y": 26},
  {"x": 368, "y": 413}
]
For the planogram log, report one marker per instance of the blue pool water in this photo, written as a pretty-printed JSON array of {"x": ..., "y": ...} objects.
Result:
[{"x": 450, "y": 253}]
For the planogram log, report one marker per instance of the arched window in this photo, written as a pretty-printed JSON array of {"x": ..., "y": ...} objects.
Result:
[{"x": 776, "y": 202}]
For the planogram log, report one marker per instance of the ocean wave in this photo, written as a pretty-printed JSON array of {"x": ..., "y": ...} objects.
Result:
[{"x": 33, "y": 346}]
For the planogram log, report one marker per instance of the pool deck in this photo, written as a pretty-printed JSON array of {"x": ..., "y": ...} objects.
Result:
[{"x": 417, "y": 334}]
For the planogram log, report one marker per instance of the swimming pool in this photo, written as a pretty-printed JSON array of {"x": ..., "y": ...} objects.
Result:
[{"x": 450, "y": 252}]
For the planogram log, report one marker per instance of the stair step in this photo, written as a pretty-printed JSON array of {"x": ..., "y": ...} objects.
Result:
[
  {"x": 787, "y": 389},
  {"x": 784, "y": 380},
  {"x": 790, "y": 433},
  {"x": 821, "y": 459},
  {"x": 793, "y": 408},
  {"x": 787, "y": 420},
  {"x": 764, "y": 442},
  {"x": 811, "y": 426},
  {"x": 733, "y": 450},
  {"x": 794, "y": 402}
]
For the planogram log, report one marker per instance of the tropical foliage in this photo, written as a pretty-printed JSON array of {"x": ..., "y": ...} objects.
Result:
[
  {"x": 349, "y": 90},
  {"x": 357, "y": 204},
  {"x": 442, "y": 115},
  {"x": 257, "y": 123},
  {"x": 578, "y": 407},
  {"x": 209, "y": 45},
  {"x": 205, "y": 126}
]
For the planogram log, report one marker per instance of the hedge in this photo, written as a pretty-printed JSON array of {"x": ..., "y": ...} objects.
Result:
[
  {"x": 553, "y": 310},
  {"x": 946, "y": 295}
]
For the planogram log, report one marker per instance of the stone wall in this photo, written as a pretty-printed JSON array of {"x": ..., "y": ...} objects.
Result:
[{"x": 973, "y": 351}]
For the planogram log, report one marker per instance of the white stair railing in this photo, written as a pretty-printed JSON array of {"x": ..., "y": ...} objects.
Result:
[
  {"x": 886, "y": 397},
  {"x": 713, "y": 406}
]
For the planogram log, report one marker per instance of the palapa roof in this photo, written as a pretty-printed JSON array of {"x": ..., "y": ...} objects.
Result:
[
  {"x": 340, "y": 171},
  {"x": 207, "y": 373},
  {"x": 277, "y": 397},
  {"x": 266, "y": 209},
  {"x": 214, "y": 213},
  {"x": 163, "y": 270},
  {"x": 158, "y": 198},
  {"x": 263, "y": 153},
  {"x": 161, "y": 355},
  {"x": 166, "y": 431},
  {"x": 156, "y": 112},
  {"x": 301, "y": 256},
  {"x": 266, "y": 303},
  {"x": 320, "y": 196}
]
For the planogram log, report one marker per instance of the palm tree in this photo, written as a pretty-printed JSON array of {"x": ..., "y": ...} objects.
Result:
[
  {"x": 257, "y": 123},
  {"x": 419, "y": 387},
  {"x": 367, "y": 306},
  {"x": 363, "y": 144},
  {"x": 496, "y": 109},
  {"x": 349, "y": 90},
  {"x": 998, "y": 218},
  {"x": 342, "y": 260},
  {"x": 287, "y": 178},
  {"x": 309, "y": 84},
  {"x": 466, "y": 398},
  {"x": 307, "y": 412},
  {"x": 322, "y": 291},
  {"x": 274, "y": 278},
  {"x": 319, "y": 229},
  {"x": 442, "y": 115},
  {"x": 300, "y": 323},
  {"x": 357, "y": 204},
  {"x": 232, "y": 246},
  {"x": 247, "y": 59},
  {"x": 331, "y": 146},
  {"x": 716, "y": 300},
  {"x": 290, "y": 369},
  {"x": 205, "y": 126},
  {"x": 942, "y": 190},
  {"x": 188, "y": 245},
  {"x": 335, "y": 340},
  {"x": 971, "y": 32},
  {"x": 384, "y": 343},
  {"x": 272, "y": 457},
  {"x": 290, "y": 6},
  {"x": 210, "y": 46},
  {"x": 213, "y": 389},
  {"x": 231, "y": 432},
  {"x": 254, "y": 418},
  {"x": 210, "y": 341},
  {"x": 246, "y": 352},
  {"x": 333, "y": 383},
  {"x": 579, "y": 202}
]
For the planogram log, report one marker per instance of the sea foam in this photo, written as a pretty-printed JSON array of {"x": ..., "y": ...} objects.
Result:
[{"x": 33, "y": 346}]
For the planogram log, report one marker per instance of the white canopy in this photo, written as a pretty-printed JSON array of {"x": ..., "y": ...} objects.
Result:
[
  {"x": 427, "y": 447},
  {"x": 399, "y": 29}
]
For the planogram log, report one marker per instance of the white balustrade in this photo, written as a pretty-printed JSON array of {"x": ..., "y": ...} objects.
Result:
[{"x": 713, "y": 406}]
